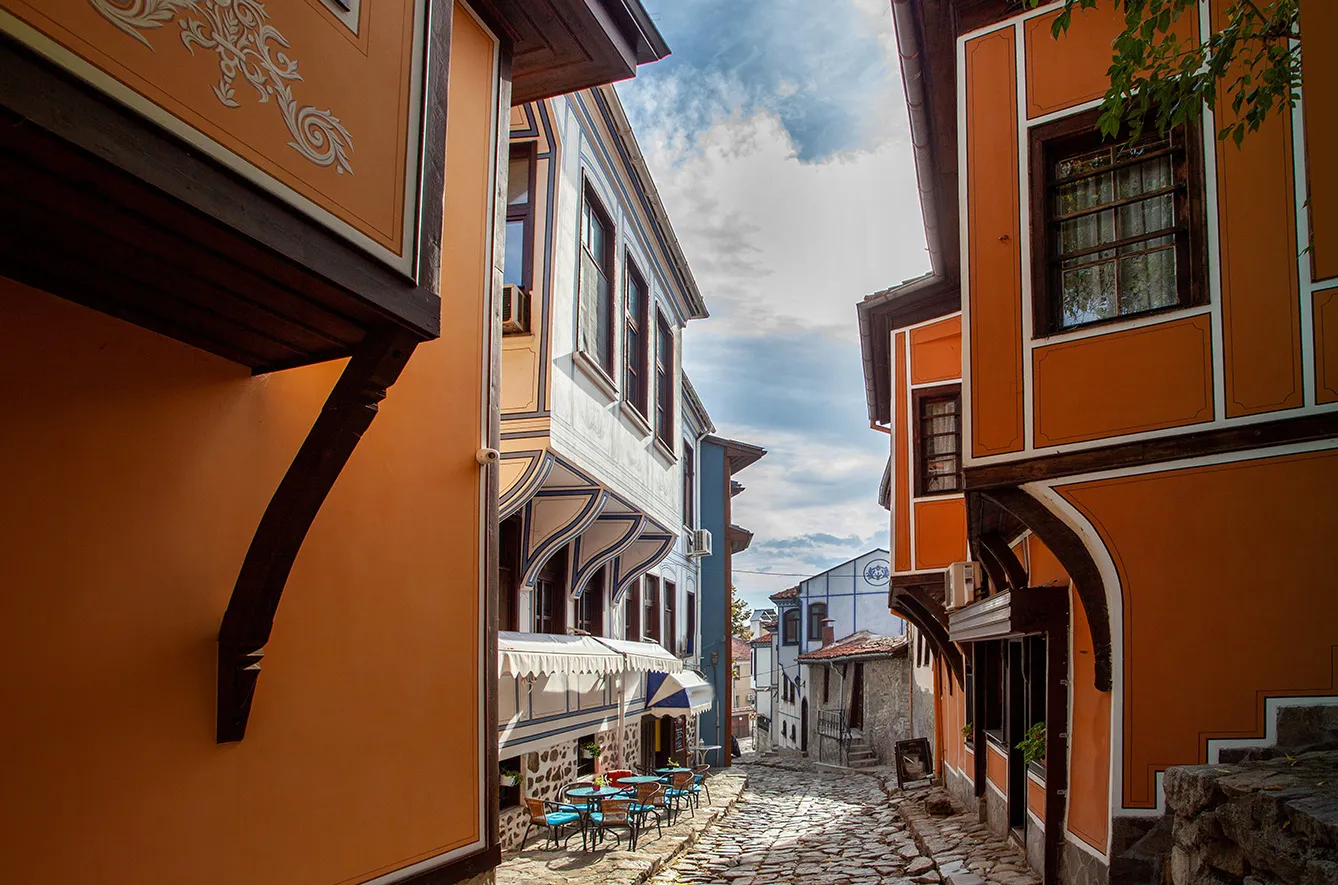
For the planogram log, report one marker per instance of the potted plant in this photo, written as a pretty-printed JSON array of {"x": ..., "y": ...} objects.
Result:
[
  {"x": 510, "y": 777},
  {"x": 601, "y": 780},
  {"x": 1032, "y": 744},
  {"x": 968, "y": 732},
  {"x": 591, "y": 750}
]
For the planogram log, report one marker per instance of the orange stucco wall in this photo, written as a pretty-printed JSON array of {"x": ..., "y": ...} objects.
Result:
[
  {"x": 901, "y": 502},
  {"x": 940, "y": 532},
  {"x": 1089, "y": 739},
  {"x": 993, "y": 225},
  {"x": 1211, "y": 559},
  {"x": 1042, "y": 565},
  {"x": 1073, "y": 69},
  {"x": 996, "y": 767},
  {"x": 362, "y": 79},
  {"x": 1261, "y": 311},
  {"x": 936, "y": 351},
  {"x": 133, "y": 485},
  {"x": 1165, "y": 379},
  {"x": 1326, "y": 345},
  {"x": 1036, "y": 798},
  {"x": 952, "y": 716},
  {"x": 1321, "y": 137}
]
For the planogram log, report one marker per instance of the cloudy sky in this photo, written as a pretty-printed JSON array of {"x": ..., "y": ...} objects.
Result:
[{"x": 777, "y": 135}]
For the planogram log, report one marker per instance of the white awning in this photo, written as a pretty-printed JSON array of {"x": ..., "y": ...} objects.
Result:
[
  {"x": 645, "y": 657},
  {"x": 678, "y": 694},
  {"x": 531, "y": 654}
]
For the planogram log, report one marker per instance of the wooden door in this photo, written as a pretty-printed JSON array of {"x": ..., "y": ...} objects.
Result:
[{"x": 856, "y": 717}]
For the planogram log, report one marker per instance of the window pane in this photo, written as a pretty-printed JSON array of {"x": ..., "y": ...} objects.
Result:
[
  {"x": 513, "y": 264},
  {"x": 1147, "y": 281},
  {"x": 941, "y": 445},
  {"x": 1088, "y": 293},
  {"x": 604, "y": 322},
  {"x": 518, "y": 181}
]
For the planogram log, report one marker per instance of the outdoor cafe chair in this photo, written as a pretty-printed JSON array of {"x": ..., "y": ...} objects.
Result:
[
  {"x": 680, "y": 789},
  {"x": 613, "y": 814},
  {"x": 699, "y": 783},
  {"x": 554, "y": 816},
  {"x": 616, "y": 775},
  {"x": 650, "y": 799}
]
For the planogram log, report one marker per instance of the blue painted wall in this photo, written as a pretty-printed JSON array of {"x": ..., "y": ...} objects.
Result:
[{"x": 714, "y": 470}]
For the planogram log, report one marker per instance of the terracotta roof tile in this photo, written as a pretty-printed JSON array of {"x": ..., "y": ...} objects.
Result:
[
  {"x": 787, "y": 593},
  {"x": 742, "y": 650},
  {"x": 861, "y": 644}
]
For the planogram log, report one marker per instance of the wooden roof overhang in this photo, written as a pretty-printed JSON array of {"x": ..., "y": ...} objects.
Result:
[
  {"x": 560, "y": 46},
  {"x": 919, "y": 599}
]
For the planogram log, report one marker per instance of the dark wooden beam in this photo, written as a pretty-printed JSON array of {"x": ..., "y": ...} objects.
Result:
[
  {"x": 922, "y": 605},
  {"x": 1008, "y": 562},
  {"x": 1073, "y": 554},
  {"x": 1306, "y": 428},
  {"x": 249, "y": 618}
]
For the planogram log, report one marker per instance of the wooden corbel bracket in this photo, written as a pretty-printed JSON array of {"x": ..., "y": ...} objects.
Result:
[{"x": 346, "y": 415}]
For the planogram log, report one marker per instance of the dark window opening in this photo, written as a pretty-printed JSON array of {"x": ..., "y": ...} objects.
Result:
[
  {"x": 664, "y": 382},
  {"x": 670, "y": 634},
  {"x": 508, "y": 574},
  {"x": 550, "y": 596},
  {"x": 691, "y": 638},
  {"x": 817, "y": 613},
  {"x": 1033, "y": 666},
  {"x": 590, "y": 609},
  {"x": 636, "y": 351},
  {"x": 517, "y": 258},
  {"x": 790, "y": 627},
  {"x": 938, "y": 442},
  {"x": 508, "y": 796},
  {"x": 650, "y": 617},
  {"x": 689, "y": 485},
  {"x": 826, "y": 684},
  {"x": 1122, "y": 231},
  {"x": 584, "y": 765},
  {"x": 632, "y": 612},
  {"x": 993, "y": 684}
]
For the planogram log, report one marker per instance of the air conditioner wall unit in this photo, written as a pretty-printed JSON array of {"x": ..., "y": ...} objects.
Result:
[
  {"x": 963, "y": 581},
  {"x": 515, "y": 310},
  {"x": 699, "y": 544}
]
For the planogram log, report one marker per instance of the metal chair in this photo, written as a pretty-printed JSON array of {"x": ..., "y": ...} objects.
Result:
[
  {"x": 680, "y": 790},
  {"x": 699, "y": 783},
  {"x": 614, "y": 814},
  {"x": 554, "y": 816},
  {"x": 651, "y": 799}
]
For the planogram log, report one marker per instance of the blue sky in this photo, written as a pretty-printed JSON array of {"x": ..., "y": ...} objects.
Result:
[{"x": 777, "y": 135}]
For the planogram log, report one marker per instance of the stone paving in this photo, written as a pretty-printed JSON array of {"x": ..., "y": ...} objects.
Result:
[
  {"x": 793, "y": 822},
  {"x": 799, "y": 824}
]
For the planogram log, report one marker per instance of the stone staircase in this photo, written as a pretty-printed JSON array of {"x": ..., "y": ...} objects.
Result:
[{"x": 859, "y": 754}]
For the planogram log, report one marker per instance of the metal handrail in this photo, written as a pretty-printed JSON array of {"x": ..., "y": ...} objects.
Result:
[{"x": 832, "y": 725}]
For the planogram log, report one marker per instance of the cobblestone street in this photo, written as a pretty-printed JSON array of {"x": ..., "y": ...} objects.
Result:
[{"x": 794, "y": 824}]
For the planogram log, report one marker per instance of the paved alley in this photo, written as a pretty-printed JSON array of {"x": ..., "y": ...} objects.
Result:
[{"x": 794, "y": 824}]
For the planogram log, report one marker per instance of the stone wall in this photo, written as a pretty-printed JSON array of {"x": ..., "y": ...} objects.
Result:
[
  {"x": 1269, "y": 822},
  {"x": 887, "y": 706}
]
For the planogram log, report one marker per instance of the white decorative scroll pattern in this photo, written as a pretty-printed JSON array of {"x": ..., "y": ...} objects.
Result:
[{"x": 248, "y": 46}]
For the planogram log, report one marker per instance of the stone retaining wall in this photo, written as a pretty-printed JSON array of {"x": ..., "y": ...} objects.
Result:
[{"x": 1272, "y": 822}]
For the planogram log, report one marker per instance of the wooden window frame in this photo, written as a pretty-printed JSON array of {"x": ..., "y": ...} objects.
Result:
[
  {"x": 669, "y": 599},
  {"x": 1074, "y": 135},
  {"x": 790, "y": 636},
  {"x": 525, "y": 213},
  {"x": 690, "y": 628},
  {"x": 689, "y": 485},
  {"x": 632, "y": 612},
  {"x": 590, "y": 608},
  {"x": 590, "y": 201},
  {"x": 919, "y": 398},
  {"x": 650, "y": 607},
  {"x": 664, "y": 382},
  {"x": 812, "y": 610},
  {"x": 636, "y": 360}
]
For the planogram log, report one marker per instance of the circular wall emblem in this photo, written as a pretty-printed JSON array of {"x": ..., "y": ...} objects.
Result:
[{"x": 878, "y": 572}]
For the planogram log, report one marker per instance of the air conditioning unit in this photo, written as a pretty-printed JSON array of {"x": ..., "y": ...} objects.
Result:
[
  {"x": 515, "y": 310},
  {"x": 963, "y": 580},
  {"x": 700, "y": 543}
]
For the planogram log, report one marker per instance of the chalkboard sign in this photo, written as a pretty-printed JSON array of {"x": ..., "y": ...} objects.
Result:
[{"x": 680, "y": 739}]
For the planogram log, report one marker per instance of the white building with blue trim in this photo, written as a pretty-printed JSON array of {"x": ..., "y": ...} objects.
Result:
[{"x": 853, "y": 596}]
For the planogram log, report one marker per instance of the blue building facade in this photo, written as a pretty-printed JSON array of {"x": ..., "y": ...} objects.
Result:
[{"x": 721, "y": 460}]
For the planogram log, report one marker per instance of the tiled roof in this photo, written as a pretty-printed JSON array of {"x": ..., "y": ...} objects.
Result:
[
  {"x": 787, "y": 593},
  {"x": 742, "y": 650},
  {"x": 763, "y": 639},
  {"x": 859, "y": 645}
]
